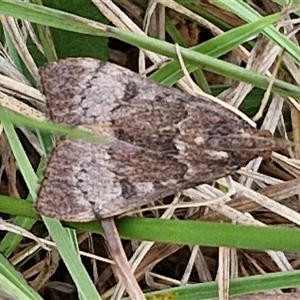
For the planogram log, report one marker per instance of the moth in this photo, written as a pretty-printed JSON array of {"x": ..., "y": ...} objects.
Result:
[{"x": 161, "y": 141}]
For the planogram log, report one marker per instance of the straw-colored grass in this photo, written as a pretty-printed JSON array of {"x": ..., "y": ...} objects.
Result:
[{"x": 233, "y": 237}]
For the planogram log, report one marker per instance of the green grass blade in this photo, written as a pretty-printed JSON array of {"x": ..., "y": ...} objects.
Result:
[
  {"x": 71, "y": 258},
  {"x": 182, "y": 232},
  {"x": 49, "y": 127},
  {"x": 247, "y": 13},
  {"x": 239, "y": 286},
  {"x": 70, "y": 22},
  {"x": 21, "y": 157},
  {"x": 12, "y": 283},
  {"x": 215, "y": 47}
]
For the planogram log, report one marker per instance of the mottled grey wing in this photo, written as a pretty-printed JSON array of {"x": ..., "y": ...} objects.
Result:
[
  {"x": 165, "y": 141},
  {"x": 83, "y": 182}
]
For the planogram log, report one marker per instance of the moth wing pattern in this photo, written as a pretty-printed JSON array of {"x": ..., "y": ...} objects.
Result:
[{"x": 165, "y": 141}]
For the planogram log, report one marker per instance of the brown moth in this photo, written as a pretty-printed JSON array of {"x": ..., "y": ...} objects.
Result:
[{"x": 163, "y": 141}]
